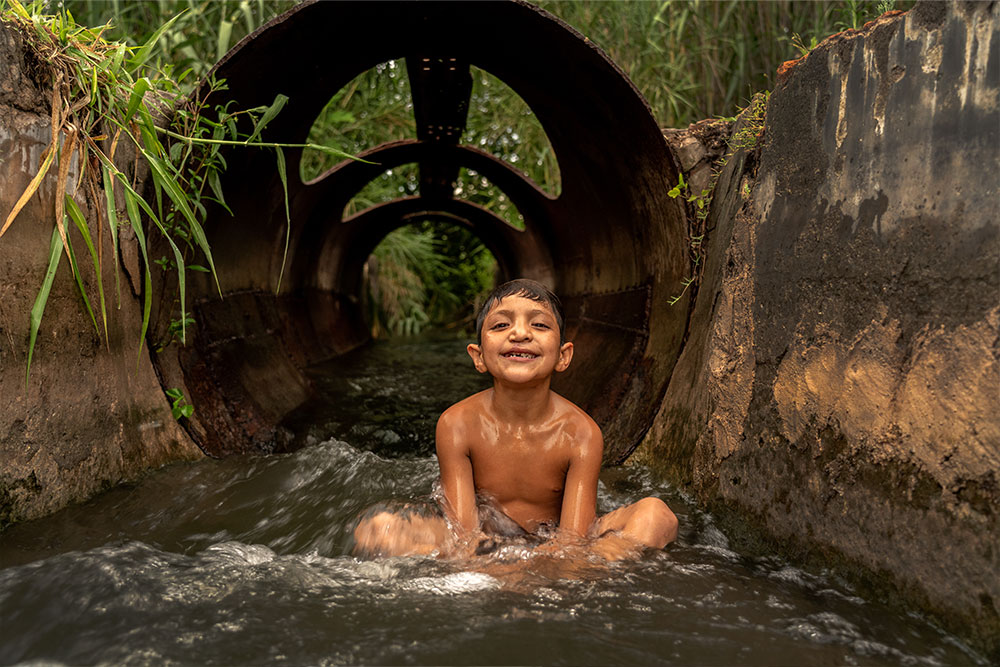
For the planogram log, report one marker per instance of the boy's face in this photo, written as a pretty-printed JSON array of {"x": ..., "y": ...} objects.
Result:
[{"x": 520, "y": 342}]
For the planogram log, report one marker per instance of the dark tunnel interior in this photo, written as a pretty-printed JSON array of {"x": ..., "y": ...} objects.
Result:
[{"x": 612, "y": 244}]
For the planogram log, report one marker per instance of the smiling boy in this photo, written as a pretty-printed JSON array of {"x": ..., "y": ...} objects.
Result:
[{"x": 520, "y": 449}]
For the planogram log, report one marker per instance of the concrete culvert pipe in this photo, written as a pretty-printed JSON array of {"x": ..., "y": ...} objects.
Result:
[{"x": 612, "y": 244}]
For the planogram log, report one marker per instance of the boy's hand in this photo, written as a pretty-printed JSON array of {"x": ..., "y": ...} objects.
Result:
[
  {"x": 563, "y": 545},
  {"x": 614, "y": 546}
]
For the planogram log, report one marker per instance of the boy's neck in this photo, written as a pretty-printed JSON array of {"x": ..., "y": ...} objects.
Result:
[{"x": 521, "y": 404}]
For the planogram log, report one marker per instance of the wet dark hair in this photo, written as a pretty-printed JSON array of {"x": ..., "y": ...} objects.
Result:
[{"x": 529, "y": 289}]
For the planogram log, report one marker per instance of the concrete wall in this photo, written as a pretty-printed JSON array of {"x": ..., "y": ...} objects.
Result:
[
  {"x": 840, "y": 389},
  {"x": 93, "y": 413}
]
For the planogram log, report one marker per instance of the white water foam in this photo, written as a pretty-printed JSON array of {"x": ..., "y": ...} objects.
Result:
[{"x": 457, "y": 583}]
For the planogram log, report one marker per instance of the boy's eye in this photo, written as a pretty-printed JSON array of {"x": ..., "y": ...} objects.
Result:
[
  {"x": 499, "y": 325},
  {"x": 541, "y": 325}
]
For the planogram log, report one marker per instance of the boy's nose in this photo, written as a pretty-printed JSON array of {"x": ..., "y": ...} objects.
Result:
[{"x": 520, "y": 331}]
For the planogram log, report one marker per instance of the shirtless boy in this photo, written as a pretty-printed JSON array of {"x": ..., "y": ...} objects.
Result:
[{"x": 533, "y": 454}]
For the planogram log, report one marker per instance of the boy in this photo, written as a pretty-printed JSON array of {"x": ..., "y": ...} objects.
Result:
[{"x": 518, "y": 458}]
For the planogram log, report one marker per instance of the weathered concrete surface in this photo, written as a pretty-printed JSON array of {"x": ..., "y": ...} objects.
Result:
[
  {"x": 841, "y": 386},
  {"x": 93, "y": 414}
]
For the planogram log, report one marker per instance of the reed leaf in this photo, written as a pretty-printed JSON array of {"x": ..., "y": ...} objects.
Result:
[
  {"x": 216, "y": 187},
  {"x": 109, "y": 196},
  {"x": 78, "y": 277},
  {"x": 19, "y": 9},
  {"x": 65, "y": 156},
  {"x": 276, "y": 106},
  {"x": 32, "y": 187},
  {"x": 132, "y": 208},
  {"x": 143, "y": 52},
  {"x": 38, "y": 309},
  {"x": 140, "y": 88},
  {"x": 162, "y": 177},
  {"x": 178, "y": 256},
  {"x": 283, "y": 175},
  {"x": 76, "y": 215},
  {"x": 222, "y": 42}
]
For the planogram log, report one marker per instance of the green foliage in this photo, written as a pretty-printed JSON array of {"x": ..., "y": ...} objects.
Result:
[
  {"x": 55, "y": 253},
  {"x": 699, "y": 203},
  {"x": 204, "y": 30},
  {"x": 699, "y": 59},
  {"x": 475, "y": 188},
  {"x": 503, "y": 125},
  {"x": 750, "y": 134},
  {"x": 746, "y": 138},
  {"x": 852, "y": 15},
  {"x": 426, "y": 273},
  {"x": 175, "y": 330},
  {"x": 374, "y": 108},
  {"x": 690, "y": 59},
  {"x": 98, "y": 98},
  {"x": 396, "y": 289},
  {"x": 401, "y": 181},
  {"x": 800, "y": 44},
  {"x": 179, "y": 407}
]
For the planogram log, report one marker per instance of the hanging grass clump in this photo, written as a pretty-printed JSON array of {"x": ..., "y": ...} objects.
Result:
[{"x": 105, "y": 95}]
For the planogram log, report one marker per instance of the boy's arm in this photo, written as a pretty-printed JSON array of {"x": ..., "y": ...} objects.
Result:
[
  {"x": 579, "y": 507},
  {"x": 456, "y": 473}
]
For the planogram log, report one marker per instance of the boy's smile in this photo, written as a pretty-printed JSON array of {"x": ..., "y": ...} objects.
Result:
[
  {"x": 520, "y": 353},
  {"x": 520, "y": 342}
]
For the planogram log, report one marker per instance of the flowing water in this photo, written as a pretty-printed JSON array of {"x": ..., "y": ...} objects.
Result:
[{"x": 245, "y": 561}]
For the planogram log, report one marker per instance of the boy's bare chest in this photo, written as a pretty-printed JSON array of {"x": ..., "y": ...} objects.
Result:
[{"x": 528, "y": 469}]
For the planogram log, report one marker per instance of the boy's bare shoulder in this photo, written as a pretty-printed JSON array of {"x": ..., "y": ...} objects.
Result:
[
  {"x": 573, "y": 412},
  {"x": 461, "y": 412},
  {"x": 584, "y": 428}
]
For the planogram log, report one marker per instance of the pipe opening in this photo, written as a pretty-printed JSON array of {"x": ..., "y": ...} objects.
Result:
[
  {"x": 393, "y": 183},
  {"x": 476, "y": 189},
  {"x": 403, "y": 181},
  {"x": 524, "y": 145},
  {"x": 374, "y": 107},
  {"x": 429, "y": 273}
]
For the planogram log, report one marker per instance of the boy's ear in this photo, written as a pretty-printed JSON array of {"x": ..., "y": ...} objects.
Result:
[
  {"x": 565, "y": 356},
  {"x": 476, "y": 353}
]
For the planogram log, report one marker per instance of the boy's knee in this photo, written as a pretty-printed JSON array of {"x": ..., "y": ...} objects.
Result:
[
  {"x": 371, "y": 533},
  {"x": 377, "y": 524},
  {"x": 384, "y": 533},
  {"x": 656, "y": 522}
]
